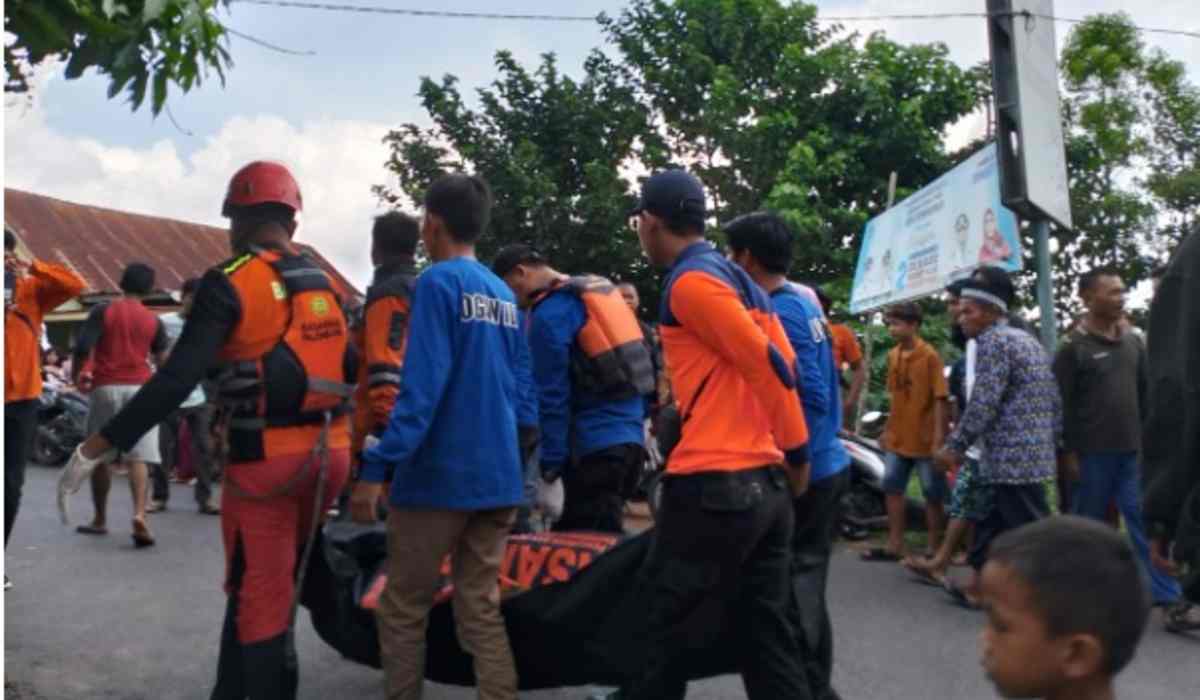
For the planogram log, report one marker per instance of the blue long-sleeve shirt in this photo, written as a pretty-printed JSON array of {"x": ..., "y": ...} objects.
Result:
[
  {"x": 573, "y": 423},
  {"x": 451, "y": 441},
  {"x": 817, "y": 379}
]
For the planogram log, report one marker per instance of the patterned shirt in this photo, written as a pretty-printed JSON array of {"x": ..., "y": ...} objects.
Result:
[{"x": 1014, "y": 409}]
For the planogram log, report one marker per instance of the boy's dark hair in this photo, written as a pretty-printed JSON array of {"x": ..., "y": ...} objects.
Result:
[
  {"x": 260, "y": 214},
  {"x": 768, "y": 238},
  {"x": 1159, "y": 272},
  {"x": 10, "y": 241},
  {"x": 395, "y": 234},
  {"x": 1084, "y": 579},
  {"x": 138, "y": 279},
  {"x": 189, "y": 287},
  {"x": 906, "y": 311},
  {"x": 998, "y": 281},
  {"x": 516, "y": 254},
  {"x": 464, "y": 202},
  {"x": 955, "y": 288},
  {"x": 1089, "y": 279},
  {"x": 826, "y": 301}
]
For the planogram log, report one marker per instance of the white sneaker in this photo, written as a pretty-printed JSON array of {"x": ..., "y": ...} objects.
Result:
[{"x": 7, "y": 583}]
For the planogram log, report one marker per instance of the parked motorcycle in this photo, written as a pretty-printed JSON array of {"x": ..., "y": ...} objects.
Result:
[
  {"x": 62, "y": 425},
  {"x": 862, "y": 507}
]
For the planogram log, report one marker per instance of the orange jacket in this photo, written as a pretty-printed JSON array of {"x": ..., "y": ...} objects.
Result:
[
  {"x": 44, "y": 289},
  {"x": 732, "y": 369},
  {"x": 381, "y": 339},
  {"x": 266, "y": 311}
]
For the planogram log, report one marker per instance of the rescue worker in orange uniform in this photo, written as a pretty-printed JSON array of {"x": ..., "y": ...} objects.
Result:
[
  {"x": 31, "y": 290},
  {"x": 592, "y": 368},
  {"x": 725, "y": 526},
  {"x": 270, "y": 322},
  {"x": 382, "y": 335}
]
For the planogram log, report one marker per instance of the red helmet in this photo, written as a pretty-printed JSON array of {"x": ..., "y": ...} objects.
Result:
[{"x": 262, "y": 182}]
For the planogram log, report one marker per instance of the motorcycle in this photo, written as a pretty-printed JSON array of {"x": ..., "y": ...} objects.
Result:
[
  {"x": 62, "y": 425},
  {"x": 862, "y": 507}
]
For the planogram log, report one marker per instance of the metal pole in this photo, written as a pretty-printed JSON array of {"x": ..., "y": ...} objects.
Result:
[
  {"x": 1045, "y": 285},
  {"x": 870, "y": 338}
]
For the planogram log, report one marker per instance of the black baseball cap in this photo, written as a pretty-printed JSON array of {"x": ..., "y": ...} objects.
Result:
[
  {"x": 675, "y": 196},
  {"x": 512, "y": 255}
]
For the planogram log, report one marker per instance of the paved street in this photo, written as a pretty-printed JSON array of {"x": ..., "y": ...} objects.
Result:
[{"x": 93, "y": 618}]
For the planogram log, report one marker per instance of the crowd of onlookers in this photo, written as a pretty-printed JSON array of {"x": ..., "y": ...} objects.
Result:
[{"x": 479, "y": 381}]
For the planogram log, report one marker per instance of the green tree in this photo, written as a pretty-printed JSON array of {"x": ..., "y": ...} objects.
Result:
[
  {"x": 141, "y": 45},
  {"x": 1132, "y": 133},
  {"x": 771, "y": 109},
  {"x": 555, "y": 151}
]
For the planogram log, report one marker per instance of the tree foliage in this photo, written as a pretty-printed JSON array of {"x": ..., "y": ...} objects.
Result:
[
  {"x": 771, "y": 110},
  {"x": 556, "y": 152},
  {"x": 142, "y": 46},
  {"x": 1131, "y": 122}
]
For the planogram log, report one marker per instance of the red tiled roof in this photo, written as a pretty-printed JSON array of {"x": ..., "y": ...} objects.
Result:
[{"x": 98, "y": 243}]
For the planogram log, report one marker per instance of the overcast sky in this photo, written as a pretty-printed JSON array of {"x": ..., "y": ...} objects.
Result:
[{"x": 325, "y": 114}]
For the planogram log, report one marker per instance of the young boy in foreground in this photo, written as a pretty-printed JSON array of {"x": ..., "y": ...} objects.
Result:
[{"x": 1066, "y": 607}]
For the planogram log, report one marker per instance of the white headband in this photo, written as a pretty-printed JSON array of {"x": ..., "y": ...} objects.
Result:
[{"x": 981, "y": 295}]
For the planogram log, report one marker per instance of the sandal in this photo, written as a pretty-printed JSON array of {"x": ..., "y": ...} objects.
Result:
[
  {"x": 91, "y": 530},
  {"x": 923, "y": 575},
  {"x": 1182, "y": 618},
  {"x": 879, "y": 554},
  {"x": 959, "y": 595},
  {"x": 141, "y": 535}
]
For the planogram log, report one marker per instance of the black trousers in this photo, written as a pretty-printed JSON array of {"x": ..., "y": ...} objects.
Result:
[
  {"x": 723, "y": 536},
  {"x": 596, "y": 487},
  {"x": 816, "y": 520},
  {"x": 198, "y": 419},
  {"x": 1013, "y": 505},
  {"x": 20, "y": 427}
]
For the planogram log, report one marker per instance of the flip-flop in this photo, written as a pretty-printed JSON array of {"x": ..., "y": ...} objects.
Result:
[
  {"x": 141, "y": 536},
  {"x": 959, "y": 595},
  {"x": 922, "y": 576},
  {"x": 91, "y": 530},
  {"x": 879, "y": 554}
]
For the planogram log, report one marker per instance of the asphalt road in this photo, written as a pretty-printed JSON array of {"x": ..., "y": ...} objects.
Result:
[{"x": 90, "y": 617}]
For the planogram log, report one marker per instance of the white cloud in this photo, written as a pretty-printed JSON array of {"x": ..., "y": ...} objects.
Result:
[{"x": 335, "y": 161}]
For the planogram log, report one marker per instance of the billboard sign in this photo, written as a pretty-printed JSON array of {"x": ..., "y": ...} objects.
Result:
[{"x": 941, "y": 233}]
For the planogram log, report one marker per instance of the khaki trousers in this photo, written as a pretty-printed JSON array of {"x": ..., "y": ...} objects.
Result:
[{"x": 418, "y": 541}]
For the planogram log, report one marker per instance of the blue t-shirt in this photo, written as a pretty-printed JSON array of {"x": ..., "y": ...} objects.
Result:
[
  {"x": 817, "y": 377},
  {"x": 573, "y": 422},
  {"x": 451, "y": 442}
]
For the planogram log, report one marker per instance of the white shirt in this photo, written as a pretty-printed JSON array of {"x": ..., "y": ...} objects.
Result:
[{"x": 173, "y": 325}]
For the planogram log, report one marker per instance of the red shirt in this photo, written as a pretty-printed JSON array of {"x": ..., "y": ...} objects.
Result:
[{"x": 121, "y": 336}]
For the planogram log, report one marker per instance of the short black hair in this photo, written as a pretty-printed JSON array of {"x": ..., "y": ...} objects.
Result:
[
  {"x": 395, "y": 234},
  {"x": 138, "y": 278},
  {"x": 515, "y": 254},
  {"x": 265, "y": 213},
  {"x": 189, "y": 287},
  {"x": 10, "y": 241},
  {"x": 1089, "y": 279},
  {"x": 1158, "y": 272},
  {"x": 766, "y": 235},
  {"x": 464, "y": 202},
  {"x": 906, "y": 311},
  {"x": 826, "y": 301},
  {"x": 998, "y": 282},
  {"x": 955, "y": 288},
  {"x": 1084, "y": 578}
]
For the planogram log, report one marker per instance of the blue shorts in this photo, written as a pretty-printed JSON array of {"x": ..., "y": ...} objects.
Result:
[{"x": 899, "y": 469}]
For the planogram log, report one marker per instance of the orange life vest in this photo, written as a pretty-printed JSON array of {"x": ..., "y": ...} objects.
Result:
[
  {"x": 288, "y": 362},
  {"x": 609, "y": 357}
]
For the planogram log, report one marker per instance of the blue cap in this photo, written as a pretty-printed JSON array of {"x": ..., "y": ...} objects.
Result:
[{"x": 675, "y": 196}]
